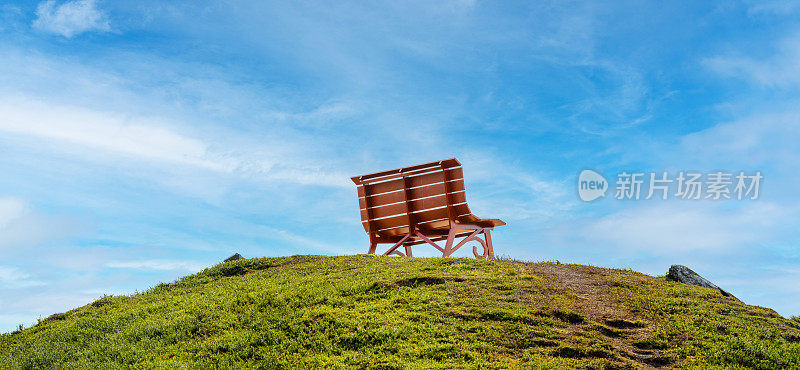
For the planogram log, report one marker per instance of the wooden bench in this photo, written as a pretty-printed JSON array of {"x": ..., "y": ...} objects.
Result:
[{"x": 421, "y": 204}]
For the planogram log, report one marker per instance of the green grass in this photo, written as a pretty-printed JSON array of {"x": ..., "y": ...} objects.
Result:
[{"x": 394, "y": 313}]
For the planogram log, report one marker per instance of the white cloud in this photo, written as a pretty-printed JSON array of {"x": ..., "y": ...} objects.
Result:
[
  {"x": 41, "y": 301},
  {"x": 765, "y": 142},
  {"x": 70, "y": 18},
  {"x": 12, "y": 277},
  {"x": 158, "y": 265},
  {"x": 22, "y": 227},
  {"x": 774, "y": 131},
  {"x": 112, "y": 132},
  {"x": 10, "y": 16},
  {"x": 152, "y": 139},
  {"x": 512, "y": 193},
  {"x": 303, "y": 241},
  {"x": 10, "y": 210},
  {"x": 665, "y": 229},
  {"x": 779, "y": 70},
  {"x": 773, "y": 7},
  {"x": 326, "y": 115}
]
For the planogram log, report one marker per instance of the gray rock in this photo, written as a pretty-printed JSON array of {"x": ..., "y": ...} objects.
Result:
[
  {"x": 234, "y": 257},
  {"x": 685, "y": 275}
]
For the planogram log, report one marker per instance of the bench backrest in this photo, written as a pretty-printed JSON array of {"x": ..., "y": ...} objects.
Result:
[{"x": 422, "y": 195}]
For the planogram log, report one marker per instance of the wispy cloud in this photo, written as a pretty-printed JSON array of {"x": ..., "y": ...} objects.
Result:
[
  {"x": 772, "y": 7},
  {"x": 670, "y": 229},
  {"x": 513, "y": 193},
  {"x": 781, "y": 69},
  {"x": 135, "y": 136},
  {"x": 304, "y": 241},
  {"x": 768, "y": 139},
  {"x": 159, "y": 265},
  {"x": 22, "y": 226},
  {"x": 11, "y": 209},
  {"x": 151, "y": 139},
  {"x": 70, "y": 18},
  {"x": 14, "y": 278}
]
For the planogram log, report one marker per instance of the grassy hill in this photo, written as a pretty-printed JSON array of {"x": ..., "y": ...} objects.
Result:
[{"x": 384, "y": 312}]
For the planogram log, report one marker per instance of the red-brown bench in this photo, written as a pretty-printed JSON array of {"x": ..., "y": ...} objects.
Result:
[{"x": 421, "y": 204}]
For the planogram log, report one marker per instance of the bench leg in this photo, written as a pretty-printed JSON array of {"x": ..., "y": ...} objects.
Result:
[
  {"x": 448, "y": 247},
  {"x": 488, "y": 237},
  {"x": 486, "y": 243},
  {"x": 466, "y": 239},
  {"x": 488, "y": 251},
  {"x": 393, "y": 249}
]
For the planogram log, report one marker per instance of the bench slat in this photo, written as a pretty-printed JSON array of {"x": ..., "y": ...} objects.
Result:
[
  {"x": 413, "y": 182},
  {"x": 421, "y": 218},
  {"x": 414, "y": 193},
  {"x": 415, "y": 205},
  {"x": 383, "y": 175}
]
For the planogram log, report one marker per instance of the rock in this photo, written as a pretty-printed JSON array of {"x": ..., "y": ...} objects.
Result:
[
  {"x": 234, "y": 257},
  {"x": 685, "y": 275}
]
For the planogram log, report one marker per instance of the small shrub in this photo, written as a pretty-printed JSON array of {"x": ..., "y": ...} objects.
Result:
[
  {"x": 568, "y": 316},
  {"x": 624, "y": 324}
]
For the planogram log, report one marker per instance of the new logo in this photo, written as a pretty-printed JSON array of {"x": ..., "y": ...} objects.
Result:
[{"x": 591, "y": 185}]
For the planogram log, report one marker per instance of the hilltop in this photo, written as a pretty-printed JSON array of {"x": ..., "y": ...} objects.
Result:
[{"x": 387, "y": 312}]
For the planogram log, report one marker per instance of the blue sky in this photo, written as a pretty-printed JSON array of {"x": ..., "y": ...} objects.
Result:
[{"x": 141, "y": 141}]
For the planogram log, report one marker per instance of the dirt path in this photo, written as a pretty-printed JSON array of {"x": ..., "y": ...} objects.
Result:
[{"x": 592, "y": 287}]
